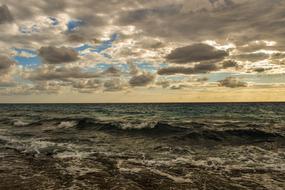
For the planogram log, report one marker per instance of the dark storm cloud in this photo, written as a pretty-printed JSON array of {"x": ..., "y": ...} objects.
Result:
[
  {"x": 195, "y": 53},
  {"x": 55, "y": 55},
  {"x": 5, "y": 64},
  {"x": 141, "y": 80},
  {"x": 232, "y": 82},
  {"x": 5, "y": 15},
  {"x": 197, "y": 69}
]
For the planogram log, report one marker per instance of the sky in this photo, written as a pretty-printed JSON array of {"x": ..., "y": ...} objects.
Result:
[{"x": 90, "y": 51}]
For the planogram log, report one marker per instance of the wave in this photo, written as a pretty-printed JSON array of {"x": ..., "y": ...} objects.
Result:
[
  {"x": 229, "y": 133},
  {"x": 149, "y": 127},
  {"x": 234, "y": 136},
  {"x": 193, "y": 132}
]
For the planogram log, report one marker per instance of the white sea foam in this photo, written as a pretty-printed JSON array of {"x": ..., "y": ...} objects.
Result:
[
  {"x": 73, "y": 154},
  {"x": 177, "y": 179},
  {"x": 172, "y": 177},
  {"x": 142, "y": 125},
  {"x": 67, "y": 124},
  {"x": 19, "y": 123}
]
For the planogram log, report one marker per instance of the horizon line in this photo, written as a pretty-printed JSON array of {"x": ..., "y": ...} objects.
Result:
[{"x": 241, "y": 102}]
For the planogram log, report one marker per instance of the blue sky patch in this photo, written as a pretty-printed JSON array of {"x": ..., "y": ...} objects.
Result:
[
  {"x": 100, "y": 48},
  {"x": 146, "y": 66},
  {"x": 31, "y": 60},
  {"x": 28, "y": 61},
  {"x": 73, "y": 25},
  {"x": 215, "y": 77},
  {"x": 106, "y": 44},
  {"x": 123, "y": 67},
  {"x": 83, "y": 48},
  {"x": 96, "y": 68}
]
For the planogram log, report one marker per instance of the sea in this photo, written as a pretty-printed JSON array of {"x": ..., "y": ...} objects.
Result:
[{"x": 150, "y": 146}]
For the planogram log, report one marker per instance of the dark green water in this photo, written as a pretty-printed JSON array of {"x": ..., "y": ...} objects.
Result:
[{"x": 142, "y": 146}]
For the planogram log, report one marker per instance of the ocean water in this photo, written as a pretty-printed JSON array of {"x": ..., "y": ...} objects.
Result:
[{"x": 142, "y": 146}]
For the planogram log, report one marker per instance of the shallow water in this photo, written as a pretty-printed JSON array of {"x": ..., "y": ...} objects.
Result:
[{"x": 142, "y": 146}]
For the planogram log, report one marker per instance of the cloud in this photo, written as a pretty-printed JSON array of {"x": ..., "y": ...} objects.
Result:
[
  {"x": 142, "y": 80},
  {"x": 232, "y": 82},
  {"x": 182, "y": 21},
  {"x": 261, "y": 69},
  {"x": 175, "y": 70},
  {"x": 252, "y": 57},
  {"x": 168, "y": 37},
  {"x": 229, "y": 64},
  {"x": 139, "y": 15},
  {"x": 42, "y": 87},
  {"x": 113, "y": 85},
  {"x": 46, "y": 87},
  {"x": 179, "y": 87},
  {"x": 87, "y": 85},
  {"x": 195, "y": 53},
  {"x": 278, "y": 56},
  {"x": 197, "y": 69},
  {"x": 55, "y": 55},
  {"x": 205, "y": 67},
  {"x": 5, "y": 15},
  {"x": 5, "y": 64},
  {"x": 163, "y": 83},
  {"x": 62, "y": 74},
  {"x": 112, "y": 71},
  {"x": 150, "y": 43},
  {"x": 76, "y": 38},
  {"x": 133, "y": 69},
  {"x": 239, "y": 20},
  {"x": 202, "y": 79},
  {"x": 254, "y": 46}
]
